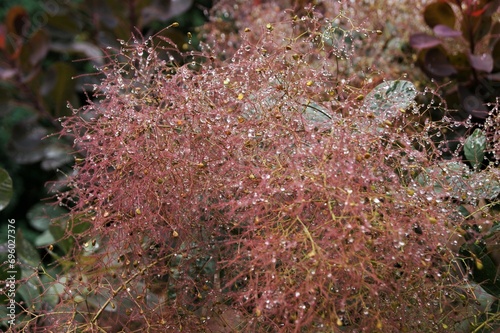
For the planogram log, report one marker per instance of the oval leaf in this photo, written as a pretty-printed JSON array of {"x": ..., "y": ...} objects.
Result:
[
  {"x": 17, "y": 21},
  {"x": 316, "y": 113},
  {"x": 5, "y": 188},
  {"x": 436, "y": 64},
  {"x": 493, "y": 77},
  {"x": 423, "y": 41},
  {"x": 40, "y": 215},
  {"x": 439, "y": 13},
  {"x": 472, "y": 104},
  {"x": 483, "y": 62},
  {"x": 487, "y": 275},
  {"x": 38, "y": 46},
  {"x": 485, "y": 185},
  {"x": 158, "y": 11},
  {"x": 26, "y": 252},
  {"x": 445, "y": 31},
  {"x": 388, "y": 99},
  {"x": 491, "y": 8},
  {"x": 474, "y": 148}
]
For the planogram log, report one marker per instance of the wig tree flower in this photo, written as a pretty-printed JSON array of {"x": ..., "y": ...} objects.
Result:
[{"x": 262, "y": 190}]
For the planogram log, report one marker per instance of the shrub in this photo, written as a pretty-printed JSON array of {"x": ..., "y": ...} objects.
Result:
[{"x": 260, "y": 190}]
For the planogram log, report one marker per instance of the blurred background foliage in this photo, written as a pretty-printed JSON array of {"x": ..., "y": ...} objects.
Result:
[{"x": 49, "y": 54}]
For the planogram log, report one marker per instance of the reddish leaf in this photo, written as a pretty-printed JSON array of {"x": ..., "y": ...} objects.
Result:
[
  {"x": 423, "y": 41},
  {"x": 3, "y": 33},
  {"x": 478, "y": 12},
  {"x": 444, "y": 31},
  {"x": 439, "y": 13},
  {"x": 483, "y": 62},
  {"x": 17, "y": 21}
]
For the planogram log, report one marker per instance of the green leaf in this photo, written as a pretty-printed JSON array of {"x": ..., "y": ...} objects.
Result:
[
  {"x": 451, "y": 175},
  {"x": 474, "y": 148},
  {"x": 463, "y": 211},
  {"x": 46, "y": 238},
  {"x": 390, "y": 97},
  {"x": 25, "y": 251},
  {"x": 58, "y": 231},
  {"x": 79, "y": 223},
  {"x": 29, "y": 290},
  {"x": 5, "y": 188},
  {"x": 53, "y": 290},
  {"x": 316, "y": 113},
  {"x": 484, "y": 270},
  {"x": 485, "y": 184},
  {"x": 40, "y": 215}
]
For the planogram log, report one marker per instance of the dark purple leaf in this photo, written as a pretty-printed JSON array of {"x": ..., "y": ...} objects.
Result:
[
  {"x": 26, "y": 144},
  {"x": 7, "y": 73},
  {"x": 423, "y": 41},
  {"x": 436, "y": 63},
  {"x": 476, "y": 27},
  {"x": 472, "y": 104},
  {"x": 495, "y": 54},
  {"x": 163, "y": 11},
  {"x": 444, "y": 31},
  {"x": 494, "y": 34},
  {"x": 493, "y": 77},
  {"x": 58, "y": 87},
  {"x": 106, "y": 13},
  {"x": 483, "y": 62},
  {"x": 491, "y": 7}
]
